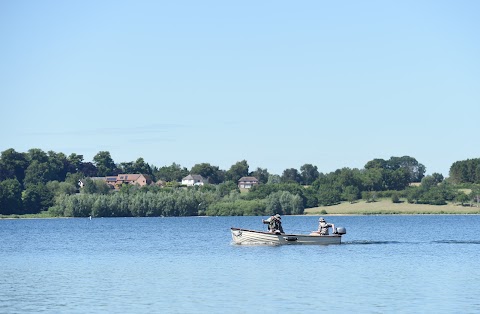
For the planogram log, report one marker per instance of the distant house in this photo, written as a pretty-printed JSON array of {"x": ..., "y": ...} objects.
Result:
[
  {"x": 193, "y": 179},
  {"x": 135, "y": 179},
  {"x": 117, "y": 181},
  {"x": 247, "y": 182},
  {"x": 111, "y": 181}
]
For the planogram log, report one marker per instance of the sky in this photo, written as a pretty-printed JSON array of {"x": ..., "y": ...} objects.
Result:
[{"x": 277, "y": 83}]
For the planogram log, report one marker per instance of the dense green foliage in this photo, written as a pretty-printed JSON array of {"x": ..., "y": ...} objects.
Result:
[
  {"x": 37, "y": 181},
  {"x": 465, "y": 171},
  {"x": 10, "y": 197},
  {"x": 132, "y": 204}
]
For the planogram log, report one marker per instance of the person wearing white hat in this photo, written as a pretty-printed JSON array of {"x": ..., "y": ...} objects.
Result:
[{"x": 323, "y": 226}]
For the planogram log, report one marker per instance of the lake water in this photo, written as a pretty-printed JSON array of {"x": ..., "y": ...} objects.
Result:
[{"x": 386, "y": 264}]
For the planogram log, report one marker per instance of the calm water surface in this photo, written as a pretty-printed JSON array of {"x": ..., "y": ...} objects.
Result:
[{"x": 387, "y": 264}]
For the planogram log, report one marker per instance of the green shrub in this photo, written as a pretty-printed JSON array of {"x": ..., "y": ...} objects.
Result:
[{"x": 395, "y": 198}]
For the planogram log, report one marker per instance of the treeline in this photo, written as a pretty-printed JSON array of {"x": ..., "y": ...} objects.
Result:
[
  {"x": 38, "y": 181},
  {"x": 466, "y": 171},
  {"x": 154, "y": 201}
]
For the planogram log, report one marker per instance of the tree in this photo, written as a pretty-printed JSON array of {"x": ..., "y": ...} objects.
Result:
[
  {"x": 13, "y": 165},
  {"x": 37, "y": 198},
  {"x": 433, "y": 196},
  {"x": 291, "y": 175},
  {"x": 172, "y": 173},
  {"x": 369, "y": 196},
  {"x": 36, "y": 154},
  {"x": 96, "y": 187},
  {"x": 428, "y": 182},
  {"x": 10, "y": 197},
  {"x": 236, "y": 171},
  {"x": 395, "y": 198},
  {"x": 377, "y": 163},
  {"x": 397, "y": 179},
  {"x": 126, "y": 167},
  {"x": 261, "y": 175},
  {"x": 140, "y": 166},
  {"x": 274, "y": 179},
  {"x": 74, "y": 178},
  {"x": 328, "y": 195},
  {"x": 415, "y": 169},
  {"x": 475, "y": 195},
  {"x": 413, "y": 194},
  {"x": 351, "y": 193},
  {"x": 212, "y": 173},
  {"x": 309, "y": 173},
  {"x": 273, "y": 205},
  {"x": 67, "y": 188},
  {"x": 291, "y": 204},
  {"x": 104, "y": 164},
  {"x": 88, "y": 169},
  {"x": 373, "y": 179},
  {"x": 58, "y": 165},
  {"x": 348, "y": 177},
  {"x": 438, "y": 177},
  {"x": 311, "y": 199},
  {"x": 61, "y": 188},
  {"x": 462, "y": 198},
  {"x": 465, "y": 171},
  {"x": 225, "y": 188},
  {"x": 37, "y": 173},
  {"x": 75, "y": 163}
]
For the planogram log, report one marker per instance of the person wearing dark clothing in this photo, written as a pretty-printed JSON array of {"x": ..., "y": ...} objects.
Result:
[{"x": 274, "y": 224}]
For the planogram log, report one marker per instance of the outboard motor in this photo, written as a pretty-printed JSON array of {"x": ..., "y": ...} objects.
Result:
[{"x": 340, "y": 230}]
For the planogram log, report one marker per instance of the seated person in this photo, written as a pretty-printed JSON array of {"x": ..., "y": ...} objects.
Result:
[{"x": 323, "y": 227}]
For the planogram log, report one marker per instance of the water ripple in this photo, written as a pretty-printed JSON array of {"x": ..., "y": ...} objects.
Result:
[
  {"x": 367, "y": 242},
  {"x": 457, "y": 242}
]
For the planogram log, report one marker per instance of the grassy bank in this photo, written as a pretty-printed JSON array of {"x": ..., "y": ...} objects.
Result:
[
  {"x": 40, "y": 215},
  {"x": 385, "y": 206}
]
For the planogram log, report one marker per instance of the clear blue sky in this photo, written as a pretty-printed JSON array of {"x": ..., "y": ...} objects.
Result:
[{"x": 277, "y": 83}]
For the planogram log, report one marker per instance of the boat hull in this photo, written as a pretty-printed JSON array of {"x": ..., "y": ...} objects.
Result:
[{"x": 245, "y": 236}]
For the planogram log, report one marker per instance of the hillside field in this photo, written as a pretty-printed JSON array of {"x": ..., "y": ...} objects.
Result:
[{"x": 385, "y": 206}]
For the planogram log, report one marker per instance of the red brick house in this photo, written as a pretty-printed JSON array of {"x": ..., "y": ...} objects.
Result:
[
  {"x": 115, "y": 182},
  {"x": 128, "y": 178}
]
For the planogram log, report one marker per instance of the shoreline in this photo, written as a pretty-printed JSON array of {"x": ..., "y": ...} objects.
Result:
[{"x": 360, "y": 208}]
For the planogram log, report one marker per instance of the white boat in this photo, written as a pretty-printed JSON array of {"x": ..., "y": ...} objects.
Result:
[{"x": 245, "y": 236}]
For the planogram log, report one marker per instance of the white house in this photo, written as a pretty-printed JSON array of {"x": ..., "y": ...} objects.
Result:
[{"x": 193, "y": 179}]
